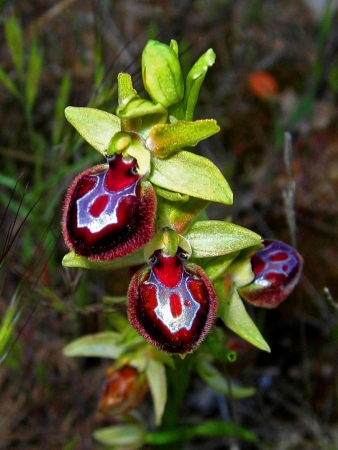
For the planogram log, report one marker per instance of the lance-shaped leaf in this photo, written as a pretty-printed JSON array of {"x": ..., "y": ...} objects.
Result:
[
  {"x": 233, "y": 313},
  {"x": 194, "y": 82},
  {"x": 158, "y": 387},
  {"x": 214, "y": 238},
  {"x": 73, "y": 260},
  {"x": 95, "y": 126},
  {"x": 166, "y": 139},
  {"x": 216, "y": 380},
  {"x": 193, "y": 175},
  {"x": 102, "y": 345}
]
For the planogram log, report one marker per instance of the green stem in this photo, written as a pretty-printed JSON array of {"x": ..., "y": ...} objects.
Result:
[{"x": 178, "y": 382}]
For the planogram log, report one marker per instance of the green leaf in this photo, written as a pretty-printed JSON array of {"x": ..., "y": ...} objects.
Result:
[
  {"x": 8, "y": 83},
  {"x": 101, "y": 345},
  {"x": 215, "y": 267},
  {"x": 14, "y": 41},
  {"x": 195, "y": 80},
  {"x": 95, "y": 126},
  {"x": 133, "y": 259},
  {"x": 158, "y": 387},
  {"x": 214, "y": 237},
  {"x": 178, "y": 214},
  {"x": 34, "y": 70},
  {"x": 121, "y": 436},
  {"x": 234, "y": 315},
  {"x": 193, "y": 175},
  {"x": 215, "y": 379},
  {"x": 166, "y": 139}
]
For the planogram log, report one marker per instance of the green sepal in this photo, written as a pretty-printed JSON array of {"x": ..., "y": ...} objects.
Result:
[
  {"x": 178, "y": 215},
  {"x": 125, "y": 87},
  {"x": 214, "y": 237},
  {"x": 138, "y": 114},
  {"x": 101, "y": 345},
  {"x": 129, "y": 437},
  {"x": 73, "y": 260},
  {"x": 95, "y": 126},
  {"x": 195, "y": 80},
  {"x": 170, "y": 195},
  {"x": 215, "y": 379},
  {"x": 165, "y": 139},
  {"x": 158, "y": 387},
  {"x": 193, "y": 175},
  {"x": 233, "y": 313},
  {"x": 217, "y": 266},
  {"x": 240, "y": 271}
]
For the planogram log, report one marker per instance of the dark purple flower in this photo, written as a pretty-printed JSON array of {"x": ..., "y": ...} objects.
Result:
[
  {"x": 277, "y": 270},
  {"x": 172, "y": 304},
  {"x": 109, "y": 210}
]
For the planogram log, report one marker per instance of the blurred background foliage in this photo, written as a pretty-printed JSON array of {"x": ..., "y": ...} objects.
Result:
[{"x": 276, "y": 71}]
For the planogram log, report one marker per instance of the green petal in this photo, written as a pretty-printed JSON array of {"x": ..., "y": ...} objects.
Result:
[
  {"x": 73, "y": 260},
  {"x": 125, "y": 87},
  {"x": 95, "y": 126},
  {"x": 193, "y": 175},
  {"x": 233, "y": 313},
  {"x": 166, "y": 139},
  {"x": 214, "y": 237},
  {"x": 102, "y": 345}
]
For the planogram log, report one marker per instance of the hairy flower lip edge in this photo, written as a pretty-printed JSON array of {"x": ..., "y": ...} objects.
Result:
[
  {"x": 133, "y": 297},
  {"x": 145, "y": 229}
]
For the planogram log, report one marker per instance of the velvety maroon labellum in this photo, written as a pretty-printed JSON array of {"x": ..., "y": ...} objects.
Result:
[
  {"x": 109, "y": 211},
  {"x": 277, "y": 270},
  {"x": 172, "y": 304}
]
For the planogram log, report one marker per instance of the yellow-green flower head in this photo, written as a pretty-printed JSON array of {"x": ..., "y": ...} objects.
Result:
[{"x": 162, "y": 74}]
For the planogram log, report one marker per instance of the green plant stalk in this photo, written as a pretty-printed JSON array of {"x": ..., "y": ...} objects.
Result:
[{"x": 178, "y": 380}]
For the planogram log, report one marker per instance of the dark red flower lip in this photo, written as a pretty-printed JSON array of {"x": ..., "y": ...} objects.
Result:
[
  {"x": 277, "y": 268},
  {"x": 173, "y": 319},
  {"x": 109, "y": 211}
]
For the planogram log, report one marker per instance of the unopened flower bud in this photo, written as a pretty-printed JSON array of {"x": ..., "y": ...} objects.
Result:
[
  {"x": 162, "y": 74},
  {"x": 123, "y": 390}
]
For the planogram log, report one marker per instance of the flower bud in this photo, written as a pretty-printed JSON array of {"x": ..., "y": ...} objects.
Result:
[
  {"x": 162, "y": 74},
  {"x": 109, "y": 210},
  {"x": 277, "y": 270},
  {"x": 172, "y": 304},
  {"x": 123, "y": 390}
]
